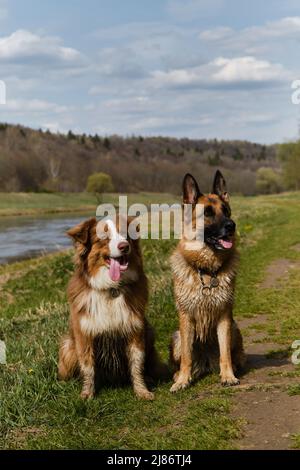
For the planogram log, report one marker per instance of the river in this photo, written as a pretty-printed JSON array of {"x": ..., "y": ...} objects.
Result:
[{"x": 25, "y": 237}]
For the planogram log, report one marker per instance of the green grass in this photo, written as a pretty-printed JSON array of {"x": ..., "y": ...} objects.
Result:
[
  {"x": 38, "y": 412},
  {"x": 42, "y": 203},
  {"x": 294, "y": 389}
]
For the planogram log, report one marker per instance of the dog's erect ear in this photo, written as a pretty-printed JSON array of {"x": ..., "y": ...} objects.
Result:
[
  {"x": 219, "y": 186},
  {"x": 80, "y": 233},
  {"x": 190, "y": 188}
]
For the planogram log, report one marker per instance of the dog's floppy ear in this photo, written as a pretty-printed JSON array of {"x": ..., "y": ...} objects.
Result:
[
  {"x": 190, "y": 189},
  {"x": 219, "y": 186},
  {"x": 81, "y": 232}
]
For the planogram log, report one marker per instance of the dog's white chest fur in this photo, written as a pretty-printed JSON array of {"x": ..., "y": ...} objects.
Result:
[{"x": 106, "y": 314}]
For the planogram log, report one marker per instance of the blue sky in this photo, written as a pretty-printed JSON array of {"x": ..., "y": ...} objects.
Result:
[{"x": 196, "y": 68}]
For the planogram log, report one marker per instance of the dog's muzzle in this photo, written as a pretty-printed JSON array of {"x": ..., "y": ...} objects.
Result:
[{"x": 224, "y": 239}]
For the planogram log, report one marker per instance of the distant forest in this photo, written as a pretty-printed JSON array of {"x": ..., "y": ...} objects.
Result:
[{"x": 36, "y": 160}]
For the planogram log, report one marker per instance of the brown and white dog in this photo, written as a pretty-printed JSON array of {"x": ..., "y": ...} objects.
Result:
[
  {"x": 109, "y": 334},
  {"x": 204, "y": 279}
]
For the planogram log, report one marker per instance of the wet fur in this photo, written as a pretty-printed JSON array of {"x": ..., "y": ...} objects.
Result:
[{"x": 202, "y": 316}]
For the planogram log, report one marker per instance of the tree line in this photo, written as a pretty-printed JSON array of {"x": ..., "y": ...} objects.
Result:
[{"x": 36, "y": 160}]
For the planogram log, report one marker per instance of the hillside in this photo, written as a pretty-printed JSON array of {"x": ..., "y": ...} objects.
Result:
[{"x": 34, "y": 160}]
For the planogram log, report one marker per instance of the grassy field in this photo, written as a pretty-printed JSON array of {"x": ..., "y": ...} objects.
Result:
[
  {"x": 38, "y": 412},
  {"x": 12, "y": 204}
]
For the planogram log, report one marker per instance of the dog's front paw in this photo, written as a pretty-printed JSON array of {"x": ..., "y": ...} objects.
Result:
[
  {"x": 87, "y": 394},
  {"x": 229, "y": 381},
  {"x": 175, "y": 376},
  {"x": 181, "y": 384},
  {"x": 144, "y": 394}
]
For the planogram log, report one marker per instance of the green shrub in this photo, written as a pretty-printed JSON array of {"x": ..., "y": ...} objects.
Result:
[
  {"x": 99, "y": 183},
  {"x": 268, "y": 181}
]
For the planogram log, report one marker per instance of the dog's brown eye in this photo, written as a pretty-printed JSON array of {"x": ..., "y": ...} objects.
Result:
[{"x": 209, "y": 211}]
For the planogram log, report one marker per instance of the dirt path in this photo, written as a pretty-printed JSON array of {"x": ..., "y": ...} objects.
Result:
[
  {"x": 278, "y": 271},
  {"x": 270, "y": 416}
]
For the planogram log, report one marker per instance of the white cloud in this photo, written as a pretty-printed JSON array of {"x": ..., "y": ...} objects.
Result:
[
  {"x": 21, "y": 85},
  {"x": 34, "y": 106},
  {"x": 157, "y": 123},
  {"x": 284, "y": 27},
  {"x": 261, "y": 36},
  {"x": 246, "y": 69},
  {"x": 216, "y": 34},
  {"x": 24, "y": 46},
  {"x": 222, "y": 71},
  {"x": 153, "y": 122},
  {"x": 134, "y": 105}
]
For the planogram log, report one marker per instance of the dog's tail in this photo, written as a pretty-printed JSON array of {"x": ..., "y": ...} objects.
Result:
[{"x": 68, "y": 363}]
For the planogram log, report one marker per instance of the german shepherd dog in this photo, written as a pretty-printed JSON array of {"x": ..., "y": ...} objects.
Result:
[{"x": 204, "y": 279}]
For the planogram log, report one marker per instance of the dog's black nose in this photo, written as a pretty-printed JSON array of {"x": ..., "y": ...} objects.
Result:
[{"x": 230, "y": 226}]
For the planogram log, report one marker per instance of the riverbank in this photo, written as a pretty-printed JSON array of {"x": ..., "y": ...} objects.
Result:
[{"x": 15, "y": 204}]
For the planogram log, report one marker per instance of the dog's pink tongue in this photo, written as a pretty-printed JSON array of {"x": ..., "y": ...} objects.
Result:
[
  {"x": 226, "y": 244},
  {"x": 114, "y": 269}
]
